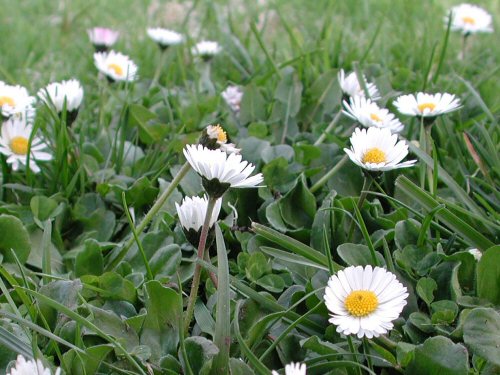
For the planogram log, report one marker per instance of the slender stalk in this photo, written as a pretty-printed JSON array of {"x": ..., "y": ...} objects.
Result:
[
  {"x": 367, "y": 353},
  {"x": 161, "y": 62},
  {"x": 354, "y": 353},
  {"x": 197, "y": 271},
  {"x": 329, "y": 174},
  {"x": 328, "y": 129},
  {"x": 367, "y": 183},
  {"x": 150, "y": 215},
  {"x": 464, "y": 46},
  {"x": 428, "y": 147}
]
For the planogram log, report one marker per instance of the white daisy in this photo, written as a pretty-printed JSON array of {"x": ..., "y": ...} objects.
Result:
[
  {"x": 376, "y": 149},
  {"x": 364, "y": 301},
  {"x": 220, "y": 170},
  {"x": 206, "y": 49},
  {"x": 115, "y": 66},
  {"x": 102, "y": 38},
  {"x": 57, "y": 92},
  {"x": 470, "y": 19},
  {"x": 232, "y": 96},
  {"x": 476, "y": 254},
  {"x": 15, "y": 100},
  {"x": 293, "y": 369},
  {"x": 192, "y": 212},
  {"x": 368, "y": 114},
  {"x": 216, "y": 133},
  {"x": 427, "y": 105},
  {"x": 164, "y": 37},
  {"x": 30, "y": 367},
  {"x": 14, "y": 142},
  {"x": 350, "y": 85}
]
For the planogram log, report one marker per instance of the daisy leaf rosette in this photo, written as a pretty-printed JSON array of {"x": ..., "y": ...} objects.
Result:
[
  {"x": 369, "y": 114},
  {"x": 350, "y": 85},
  {"x": 58, "y": 93},
  {"x": 102, "y": 38},
  {"x": 30, "y": 367},
  {"x": 116, "y": 66},
  {"x": 294, "y": 369},
  {"x": 377, "y": 150},
  {"x": 364, "y": 301},
  {"x": 15, "y": 100},
  {"x": 469, "y": 19},
  {"x": 164, "y": 37},
  {"x": 220, "y": 171},
  {"x": 192, "y": 212},
  {"x": 427, "y": 105},
  {"x": 14, "y": 143}
]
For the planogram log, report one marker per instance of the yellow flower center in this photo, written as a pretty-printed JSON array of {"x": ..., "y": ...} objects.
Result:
[
  {"x": 374, "y": 155},
  {"x": 469, "y": 20},
  {"x": 375, "y": 117},
  {"x": 361, "y": 302},
  {"x": 430, "y": 106},
  {"x": 19, "y": 145},
  {"x": 7, "y": 100},
  {"x": 221, "y": 134},
  {"x": 116, "y": 68}
]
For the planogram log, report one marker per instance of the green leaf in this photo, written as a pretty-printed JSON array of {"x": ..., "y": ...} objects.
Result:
[
  {"x": 199, "y": 351},
  {"x": 17, "y": 239},
  {"x": 357, "y": 255},
  {"x": 166, "y": 260},
  {"x": 488, "y": 275},
  {"x": 272, "y": 283},
  {"x": 42, "y": 207},
  {"x": 298, "y": 206},
  {"x": 253, "y": 105},
  {"x": 89, "y": 261},
  {"x": 257, "y": 266},
  {"x": 115, "y": 287},
  {"x": 426, "y": 288},
  {"x": 289, "y": 92},
  {"x": 482, "y": 333}
]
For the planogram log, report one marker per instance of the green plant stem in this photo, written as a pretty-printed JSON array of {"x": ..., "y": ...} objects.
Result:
[
  {"x": 366, "y": 349},
  {"x": 150, "y": 215},
  {"x": 354, "y": 353},
  {"x": 197, "y": 270},
  {"x": 329, "y": 174},
  {"x": 428, "y": 147},
  {"x": 161, "y": 62},
  {"x": 328, "y": 129},
  {"x": 367, "y": 182}
]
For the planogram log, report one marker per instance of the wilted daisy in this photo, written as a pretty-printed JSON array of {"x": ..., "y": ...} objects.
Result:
[
  {"x": 214, "y": 137},
  {"x": 164, "y": 37},
  {"x": 59, "y": 93},
  {"x": 115, "y": 66},
  {"x": 102, "y": 38},
  {"x": 30, "y": 367},
  {"x": 427, "y": 105},
  {"x": 376, "y": 149},
  {"x": 351, "y": 86},
  {"x": 232, "y": 96},
  {"x": 206, "y": 49},
  {"x": 470, "y": 19},
  {"x": 14, "y": 141},
  {"x": 364, "y": 301},
  {"x": 368, "y": 114},
  {"x": 220, "y": 171},
  {"x": 15, "y": 100},
  {"x": 294, "y": 369}
]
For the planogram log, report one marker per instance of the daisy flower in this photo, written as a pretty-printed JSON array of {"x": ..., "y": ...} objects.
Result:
[
  {"x": 220, "y": 171},
  {"x": 115, "y": 66},
  {"x": 30, "y": 367},
  {"x": 368, "y": 114},
  {"x": 214, "y": 137},
  {"x": 364, "y": 301},
  {"x": 102, "y": 38},
  {"x": 57, "y": 93},
  {"x": 15, "y": 100},
  {"x": 232, "y": 95},
  {"x": 427, "y": 105},
  {"x": 14, "y": 142},
  {"x": 293, "y": 369},
  {"x": 470, "y": 19},
  {"x": 206, "y": 49},
  {"x": 350, "y": 85},
  {"x": 164, "y": 37},
  {"x": 376, "y": 149}
]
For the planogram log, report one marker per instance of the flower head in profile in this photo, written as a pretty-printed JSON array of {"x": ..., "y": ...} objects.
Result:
[
  {"x": 232, "y": 95},
  {"x": 14, "y": 143},
  {"x": 377, "y": 150},
  {"x": 164, "y": 37},
  {"x": 427, "y": 105},
  {"x": 364, "y": 301},
  {"x": 30, "y": 367},
  {"x": 115, "y": 66},
  {"x": 219, "y": 171},
  {"x": 350, "y": 86},
  {"x": 102, "y": 38},
  {"x": 294, "y": 369},
  {"x": 192, "y": 212},
  {"x": 368, "y": 114},
  {"x": 206, "y": 49},
  {"x": 58, "y": 94},
  {"x": 470, "y": 19},
  {"x": 214, "y": 137},
  {"x": 16, "y": 101}
]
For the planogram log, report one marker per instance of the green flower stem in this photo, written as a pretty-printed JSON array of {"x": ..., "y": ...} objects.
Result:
[
  {"x": 150, "y": 215},
  {"x": 213, "y": 276},
  {"x": 428, "y": 147},
  {"x": 354, "y": 353},
  {"x": 197, "y": 271},
  {"x": 328, "y": 129},
  {"x": 161, "y": 63},
  {"x": 366, "y": 349},
  {"x": 367, "y": 183},
  {"x": 329, "y": 174}
]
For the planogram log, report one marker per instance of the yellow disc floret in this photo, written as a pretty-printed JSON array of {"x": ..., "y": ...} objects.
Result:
[
  {"x": 375, "y": 117},
  {"x": 361, "y": 303},
  {"x": 19, "y": 145},
  {"x": 221, "y": 134},
  {"x": 430, "y": 106},
  {"x": 7, "y": 100},
  {"x": 469, "y": 20},
  {"x": 374, "y": 155},
  {"x": 116, "y": 68}
]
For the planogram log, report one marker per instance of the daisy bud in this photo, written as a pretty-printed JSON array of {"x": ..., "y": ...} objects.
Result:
[
  {"x": 351, "y": 87},
  {"x": 164, "y": 37},
  {"x": 293, "y": 369},
  {"x": 102, "y": 38},
  {"x": 69, "y": 93},
  {"x": 30, "y": 367},
  {"x": 232, "y": 95},
  {"x": 206, "y": 50}
]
